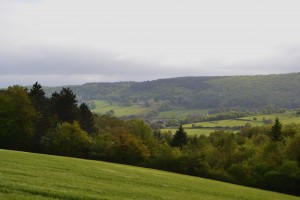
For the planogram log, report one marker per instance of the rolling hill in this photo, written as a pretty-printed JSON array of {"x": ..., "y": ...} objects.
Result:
[
  {"x": 251, "y": 92},
  {"x": 36, "y": 176}
]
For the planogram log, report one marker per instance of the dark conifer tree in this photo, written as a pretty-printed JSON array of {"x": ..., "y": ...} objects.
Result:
[
  {"x": 64, "y": 105},
  {"x": 37, "y": 96},
  {"x": 180, "y": 138},
  {"x": 276, "y": 133},
  {"x": 41, "y": 104},
  {"x": 86, "y": 119}
]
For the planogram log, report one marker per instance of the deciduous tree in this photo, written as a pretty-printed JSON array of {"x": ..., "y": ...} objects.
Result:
[
  {"x": 69, "y": 139},
  {"x": 17, "y": 119}
]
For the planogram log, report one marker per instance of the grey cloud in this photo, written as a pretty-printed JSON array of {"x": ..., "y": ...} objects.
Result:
[
  {"x": 70, "y": 61},
  {"x": 285, "y": 60},
  {"x": 64, "y": 66}
]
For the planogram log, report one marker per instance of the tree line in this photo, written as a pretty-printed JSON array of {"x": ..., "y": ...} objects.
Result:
[{"x": 266, "y": 157}]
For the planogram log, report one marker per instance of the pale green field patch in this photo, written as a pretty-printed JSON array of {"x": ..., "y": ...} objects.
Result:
[
  {"x": 103, "y": 106},
  {"x": 181, "y": 113},
  {"x": 286, "y": 117}
]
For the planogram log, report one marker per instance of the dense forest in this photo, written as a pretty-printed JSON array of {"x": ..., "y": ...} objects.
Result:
[
  {"x": 266, "y": 157},
  {"x": 235, "y": 92}
]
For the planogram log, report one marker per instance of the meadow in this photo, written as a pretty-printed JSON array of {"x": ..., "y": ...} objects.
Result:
[
  {"x": 36, "y": 176},
  {"x": 119, "y": 110},
  {"x": 287, "y": 117},
  {"x": 206, "y": 128},
  {"x": 180, "y": 113},
  {"x": 255, "y": 120},
  {"x": 103, "y": 106}
]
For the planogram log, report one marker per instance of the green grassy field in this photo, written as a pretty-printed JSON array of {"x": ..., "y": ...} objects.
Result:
[
  {"x": 135, "y": 109},
  {"x": 285, "y": 118},
  {"x": 120, "y": 111},
  {"x": 180, "y": 113},
  {"x": 36, "y": 176}
]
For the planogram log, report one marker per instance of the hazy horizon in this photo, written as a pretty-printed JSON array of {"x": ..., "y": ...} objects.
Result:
[{"x": 140, "y": 81}]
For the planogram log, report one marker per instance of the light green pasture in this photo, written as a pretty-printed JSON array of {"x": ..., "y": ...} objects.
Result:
[
  {"x": 120, "y": 111},
  {"x": 181, "y": 113},
  {"x": 286, "y": 117},
  {"x": 37, "y": 176}
]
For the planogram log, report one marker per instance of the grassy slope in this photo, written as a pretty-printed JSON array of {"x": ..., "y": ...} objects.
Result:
[
  {"x": 120, "y": 111},
  {"x": 102, "y": 106},
  {"x": 36, "y": 176},
  {"x": 180, "y": 113}
]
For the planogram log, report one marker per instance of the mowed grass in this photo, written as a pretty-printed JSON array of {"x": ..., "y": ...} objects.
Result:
[
  {"x": 36, "y": 176},
  {"x": 120, "y": 111},
  {"x": 181, "y": 113}
]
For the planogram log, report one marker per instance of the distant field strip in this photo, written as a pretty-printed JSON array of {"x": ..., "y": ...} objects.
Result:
[
  {"x": 120, "y": 111},
  {"x": 37, "y": 176},
  {"x": 191, "y": 132},
  {"x": 286, "y": 117},
  {"x": 181, "y": 113},
  {"x": 224, "y": 123},
  {"x": 234, "y": 124},
  {"x": 136, "y": 109}
]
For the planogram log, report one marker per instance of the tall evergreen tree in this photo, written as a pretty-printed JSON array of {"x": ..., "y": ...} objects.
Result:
[
  {"x": 45, "y": 120},
  {"x": 180, "y": 138},
  {"x": 86, "y": 119},
  {"x": 64, "y": 105},
  {"x": 276, "y": 132},
  {"x": 37, "y": 96}
]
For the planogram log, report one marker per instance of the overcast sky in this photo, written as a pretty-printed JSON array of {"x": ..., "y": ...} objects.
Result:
[{"x": 59, "y": 42}]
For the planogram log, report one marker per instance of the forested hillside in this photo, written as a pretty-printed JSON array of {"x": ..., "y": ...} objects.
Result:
[
  {"x": 251, "y": 92},
  {"x": 265, "y": 157}
]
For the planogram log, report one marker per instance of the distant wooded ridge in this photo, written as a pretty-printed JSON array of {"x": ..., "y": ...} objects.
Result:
[{"x": 251, "y": 92}]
